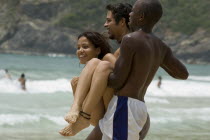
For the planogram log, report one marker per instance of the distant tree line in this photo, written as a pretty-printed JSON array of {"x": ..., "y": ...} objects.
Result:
[{"x": 179, "y": 15}]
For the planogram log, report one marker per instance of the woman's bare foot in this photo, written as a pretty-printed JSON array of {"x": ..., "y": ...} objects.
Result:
[
  {"x": 73, "y": 129},
  {"x": 73, "y": 114}
]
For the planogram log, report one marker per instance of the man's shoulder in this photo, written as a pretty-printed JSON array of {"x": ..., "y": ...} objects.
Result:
[
  {"x": 136, "y": 39},
  {"x": 134, "y": 36}
]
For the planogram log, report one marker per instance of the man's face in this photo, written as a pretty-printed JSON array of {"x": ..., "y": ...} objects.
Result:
[
  {"x": 112, "y": 27},
  {"x": 134, "y": 19}
]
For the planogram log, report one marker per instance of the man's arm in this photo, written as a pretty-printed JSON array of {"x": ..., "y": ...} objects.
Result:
[
  {"x": 173, "y": 66},
  {"x": 123, "y": 64}
]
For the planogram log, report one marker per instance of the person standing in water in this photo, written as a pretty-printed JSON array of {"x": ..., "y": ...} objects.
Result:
[
  {"x": 7, "y": 75},
  {"x": 159, "y": 81},
  {"x": 22, "y": 81}
]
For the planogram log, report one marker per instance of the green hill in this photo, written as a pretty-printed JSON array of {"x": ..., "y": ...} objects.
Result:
[
  {"x": 179, "y": 15},
  {"x": 186, "y": 16},
  {"x": 52, "y": 26}
]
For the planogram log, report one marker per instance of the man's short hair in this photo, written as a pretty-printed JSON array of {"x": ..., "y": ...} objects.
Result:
[
  {"x": 119, "y": 11},
  {"x": 152, "y": 10}
]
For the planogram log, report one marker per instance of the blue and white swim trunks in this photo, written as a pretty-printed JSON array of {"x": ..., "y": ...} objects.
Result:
[{"x": 124, "y": 119}]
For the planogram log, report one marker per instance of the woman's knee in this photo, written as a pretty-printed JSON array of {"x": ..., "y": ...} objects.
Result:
[
  {"x": 104, "y": 67},
  {"x": 93, "y": 63}
]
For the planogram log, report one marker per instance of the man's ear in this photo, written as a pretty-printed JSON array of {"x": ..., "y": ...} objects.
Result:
[
  {"x": 141, "y": 17},
  {"x": 123, "y": 21}
]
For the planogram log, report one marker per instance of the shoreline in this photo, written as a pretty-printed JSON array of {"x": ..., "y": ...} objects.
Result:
[
  {"x": 51, "y": 54},
  {"x": 36, "y": 53}
]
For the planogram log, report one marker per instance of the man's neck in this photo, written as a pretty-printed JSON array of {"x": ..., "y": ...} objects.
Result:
[
  {"x": 124, "y": 32},
  {"x": 146, "y": 29}
]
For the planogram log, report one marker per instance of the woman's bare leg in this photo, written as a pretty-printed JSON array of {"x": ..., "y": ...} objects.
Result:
[
  {"x": 99, "y": 110},
  {"x": 98, "y": 86},
  {"x": 107, "y": 97},
  {"x": 98, "y": 113},
  {"x": 82, "y": 89},
  {"x": 97, "y": 90},
  {"x": 84, "y": 84}
]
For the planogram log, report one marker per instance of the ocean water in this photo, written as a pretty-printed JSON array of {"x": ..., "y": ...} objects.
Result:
[{"x": 179, "y": 110}]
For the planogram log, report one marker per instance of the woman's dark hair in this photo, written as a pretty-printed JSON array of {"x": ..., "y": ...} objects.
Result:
[{"x": 99, "y": 41}]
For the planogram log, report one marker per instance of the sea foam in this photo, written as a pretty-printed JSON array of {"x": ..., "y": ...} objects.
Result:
[
  {"x": 180, "y": 88},
  {"x": 200, "y": 78},
  {"x": 35, "y": 86},
  {"x": 14, "y": 119},
  {"x": 183, "y": 88}
]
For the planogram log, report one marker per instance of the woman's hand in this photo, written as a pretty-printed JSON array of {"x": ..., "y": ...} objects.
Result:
[{"x": 74, "y": 82}]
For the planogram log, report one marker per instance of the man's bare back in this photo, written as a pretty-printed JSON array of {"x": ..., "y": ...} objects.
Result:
[{"x": 140, "y": 57}]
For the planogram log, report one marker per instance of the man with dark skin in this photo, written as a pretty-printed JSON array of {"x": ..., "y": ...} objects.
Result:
[{"x": 141, "y": 54}]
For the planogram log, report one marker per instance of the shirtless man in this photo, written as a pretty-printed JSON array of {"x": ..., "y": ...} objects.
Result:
[
  {"x": 141, "y": 54},
  {"x": 117, "y": 30}
]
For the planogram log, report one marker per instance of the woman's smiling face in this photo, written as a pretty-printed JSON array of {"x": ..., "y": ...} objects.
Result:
[{"x": 86, "y": 50}]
